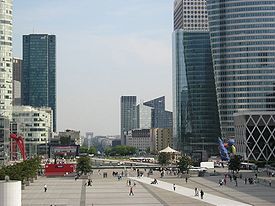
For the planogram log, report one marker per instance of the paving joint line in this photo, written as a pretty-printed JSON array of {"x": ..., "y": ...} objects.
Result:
[
  {"x": 153, "y": 194},
  {"x": 83, "y": 193}
]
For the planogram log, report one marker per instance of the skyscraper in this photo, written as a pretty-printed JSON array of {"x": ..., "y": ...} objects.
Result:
[
  {"x": 17, "y": 67},
  {"x": 160, "y": 117},
  {"x": 195, "y": 114},
  {"x": 144, "y": 116},
  {"x": 5, "y": 77},
  {"x": 38, "y": 87},
  {"x": 6, "y": 59},
  {"x": 128, "y": 115},
  {"x": 243, "y": 50}
]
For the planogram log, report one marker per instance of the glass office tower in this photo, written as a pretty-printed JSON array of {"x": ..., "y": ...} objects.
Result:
[
  {"x": 160, "y": 117},
  {"x": 243, "y": 48},
  {"x": 128, "y": 116},
  {"x": 38, "y": 86},
  {"x": 5, "y": 77},
  {"x": 195, "y": 114}
]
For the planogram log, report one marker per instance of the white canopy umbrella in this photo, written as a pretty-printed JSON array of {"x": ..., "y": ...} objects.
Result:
[{"x": 169, "y": 150}]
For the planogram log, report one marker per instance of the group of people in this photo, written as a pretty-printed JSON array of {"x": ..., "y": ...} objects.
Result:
[{"x": 197, "y": 192}]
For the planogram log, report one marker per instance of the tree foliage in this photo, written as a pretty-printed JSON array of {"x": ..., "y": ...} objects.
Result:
[
  {"x": 120, "y": 150},
  {"x": 234, "y": 163},
  {"x": 91, "y": 150},
  {"x": 184, "y": 163},
  {"x": 21, "y": 171},
  {"x": 84, "y": 165},
  {"x": 164, "y": 158}
]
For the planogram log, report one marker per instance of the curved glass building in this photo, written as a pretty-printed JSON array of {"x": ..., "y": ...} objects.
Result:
[
  {"x": 242, "y": 34},
  {"x": 195, "y": 114}
]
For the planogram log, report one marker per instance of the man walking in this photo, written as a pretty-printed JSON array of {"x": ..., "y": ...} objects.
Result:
[
  {"x": 196, "y": 192},
  {"x": 131, "y": 191},
  {"x": 174, "y": 187},
  {"x": 45, "y": 188},
  {"x": 202, "y": 193}
]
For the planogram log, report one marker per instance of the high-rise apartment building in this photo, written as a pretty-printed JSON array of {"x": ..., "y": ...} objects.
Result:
[
  {"x": 5, "y": 76},
  {"x": 38, "y": 86},
  {"x": 195, "y": 113},
  {"x": 128, "y": 116},
  {"x": 17, "y": 67},
  {"x": 243, "y": 50}
]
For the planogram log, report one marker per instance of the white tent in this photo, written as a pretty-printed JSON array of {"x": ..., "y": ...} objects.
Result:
[{"x": 169, "y": 150}]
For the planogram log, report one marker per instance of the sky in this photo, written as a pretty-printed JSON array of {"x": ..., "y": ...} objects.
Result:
[{"x": 105, "y": 49}]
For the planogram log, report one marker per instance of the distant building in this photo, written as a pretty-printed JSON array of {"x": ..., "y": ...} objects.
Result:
[
  {"x": 116, "y": 142},
  {"x": 160, "y": 138},
  {"x": 144, "y": 116},
  {"x": 128, "y": 115},
  {"x": 87, "y": 142},
  {"x": 17, "y": 67},
  {"x": 138, "y": 138},
  {"x": 65, "y": 144},
  {"x": 254, "y": 135},
  {"x": 70, "y": 137},
  {"x": 38, "y": 85},
  {"x": 160, "y": 117},
  {"x": 35, "y": 125}
]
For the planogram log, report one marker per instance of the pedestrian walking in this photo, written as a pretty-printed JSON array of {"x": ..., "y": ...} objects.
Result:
[
  {"x": 202, "y": 193},
  {"x": 196, "y": 192},
  {"x": 45, "y": 188},
  {"x": 269, "y": 183},
  {"x": 131, "y": 191},
  {"x": 174, "y": 187},
  {"x": 220, "y": 182},
  {"x": 186, "y": 179},
  {"x": 245, "y": 180},
  {"x": 90, "y": 182}
]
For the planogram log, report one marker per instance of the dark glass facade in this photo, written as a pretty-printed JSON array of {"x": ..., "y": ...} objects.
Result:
[
  {"x": 243, "y": 48},
  {"x": 160, "y": 117},
  {"x": 128, "y": 116},
  {"x": 38, "y": 86},
  {"x": 196, "y": 123}
]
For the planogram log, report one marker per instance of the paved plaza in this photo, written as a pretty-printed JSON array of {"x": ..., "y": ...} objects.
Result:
[{"x": 111, "y": 191}]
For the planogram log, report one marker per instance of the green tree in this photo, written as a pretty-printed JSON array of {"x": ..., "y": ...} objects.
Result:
[
  {"x": 21, "y": 171},
  {"x": 84, "y": 165},
  {"x": 92, "y": 150},
  {"x": 164, "y": 158},
  {"x": 120, "y": 150},
  {"x": 234, "y": 163},
  {"x": 83, "y": 149},
  {"x": 184, "y": 163}
]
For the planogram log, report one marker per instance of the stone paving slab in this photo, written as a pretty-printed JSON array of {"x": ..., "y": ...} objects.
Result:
[
  {"x": 109, "y": 191},
  {"x": 256, "y": 194}
]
